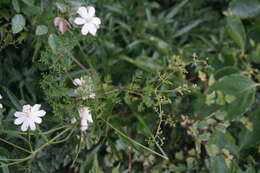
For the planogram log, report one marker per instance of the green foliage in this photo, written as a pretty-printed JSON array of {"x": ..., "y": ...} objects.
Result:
[{"x": 175, "y": 83}]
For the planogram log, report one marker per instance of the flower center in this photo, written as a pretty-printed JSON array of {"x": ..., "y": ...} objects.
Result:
[
  {"x": 88, "y": 19},
  {"x": 29, "y": 114}
]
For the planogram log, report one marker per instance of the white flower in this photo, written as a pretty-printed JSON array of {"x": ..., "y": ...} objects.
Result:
[
  {"x": 86, "y": 118},
  {"x": 78, "y": 81},
  {"x": 1, "y": 106},
  {"x": 85, "y": 87},
  {"x": 88, "y": 20},
  {"x": 29, "y": 116}
]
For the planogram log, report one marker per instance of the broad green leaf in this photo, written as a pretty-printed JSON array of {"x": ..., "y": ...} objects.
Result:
[
  {"x": 224, "y": 140},
  {"x": 245, "y": 8},
  {"x": 16, "y": 5},
  {"x": 218, "y": 165},
  {"x": 236, "y": 31},
  {"x": 239, "y": 86},
  {"x": 41, "y": 30},
  {"x": 248, "y": 138},
  {"x": 225, "y": 71},
  {"x": 18, "y": 23}
]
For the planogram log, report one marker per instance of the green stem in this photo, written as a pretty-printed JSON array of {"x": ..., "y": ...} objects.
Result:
[
  {"x": 43, "y": 135},
  {"x": 135, "y": 142},
  {"x": 16, "y": 146},
  {"x": 29, "y": 140}
]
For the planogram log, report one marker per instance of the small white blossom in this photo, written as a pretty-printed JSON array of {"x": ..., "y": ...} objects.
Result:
[
  {"x": 86, "y": 118},
  {"x": 78, "y": 81},
  {"x": 29, "y": 116},
  {"x": 88, "y": 20},
  {"x": 85, "y": 87},
  {"x": 1, "y": 106}
]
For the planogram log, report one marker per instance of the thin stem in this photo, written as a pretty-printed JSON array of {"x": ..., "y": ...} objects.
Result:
[
  {"x": 78, "y": 150},
  {"x": 43, "y": 135},
  {"x": 79, "y": 64},
  {"x": 29, "y": 140},
  {"x": 135, "y": 142},
  {"x": 16, "y": 146}
]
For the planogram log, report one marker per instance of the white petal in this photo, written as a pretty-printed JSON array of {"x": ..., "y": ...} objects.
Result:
[
  {"x": 96, "y": 21},
  {"x": 83, "y": 128},
  {"x": 93, "y": 95},
  {"x": 91, "y": 28},
  {"x": 91, "y": 11},
  {"x": 89, "y": 118},
  {"x": 26, "y": 108},
  {"x": 84, "y": 122},
  {"x": 1, "y": 106},
  {"x": 79, "y": 21},
  {"x": 36, "y": 108},
  {"x": 19, "y": 114},
  {"x": 25, "y": 126},
  {"x": 32, "y": 126},
  {"x": 1, "y": 96},
  {"x": 19, "y": 120},
  {"x": 84, "y": 29},
  {"x": 37, "y": 120},
  {"x": 57, "y": 21},
  {"x": 40, "y": 113},
  {"x": 82, "y": 11}
]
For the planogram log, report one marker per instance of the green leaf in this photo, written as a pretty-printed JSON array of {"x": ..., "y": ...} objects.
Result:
[
  {"x": 225, "y": 71},
  {"x": 18, "y": 23},
  {"x": 96, "y": 168},
  {"x": 176, "y": 9},
  {"x": 218, "y": 165},
  {"x": 236, "y": 31},
  {"x": 248, "y": 138},
  {"x": 189, "y": 27},
  {"x": 41, "y": 30},
  {"x": 12, "y": 98},
  {"x": 245, "y": 8},
  {"x": 28, "y": 2},
  {"x": 16, "y": 5},
  {"x": 145, "y": 63},
  {"x": 61, "y": 6},
  {"x": 240, "y": 86},
  {"x": 53, "y": 42}
]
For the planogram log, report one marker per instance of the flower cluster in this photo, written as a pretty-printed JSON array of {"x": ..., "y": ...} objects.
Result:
[{"x": 85, "y": 87}]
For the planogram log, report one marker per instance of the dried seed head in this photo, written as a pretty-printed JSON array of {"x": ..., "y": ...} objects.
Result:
[{"x": 62, "y": 24}]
